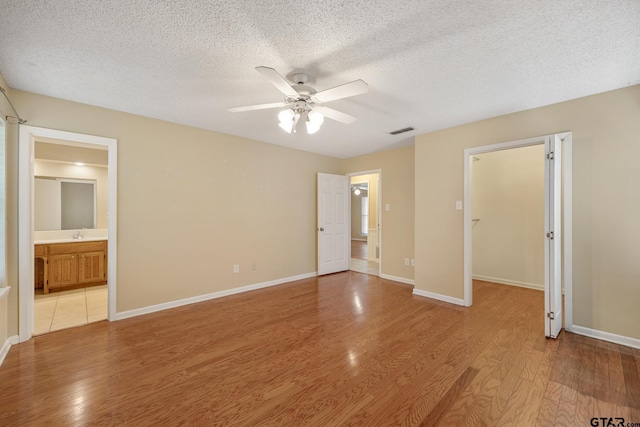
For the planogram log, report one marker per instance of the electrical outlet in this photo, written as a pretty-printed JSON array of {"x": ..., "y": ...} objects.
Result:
[
  {"x": 406, "y": 261},
  {"x": 458, "y": 205},
  {"x": 236, "y": 268},
  {"x": 413, "y": 262}
]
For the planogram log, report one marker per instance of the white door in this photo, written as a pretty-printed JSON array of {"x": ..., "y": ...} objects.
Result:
[
  {"x": 553, "y": 238},
  {"x": 333, "y": 223}
]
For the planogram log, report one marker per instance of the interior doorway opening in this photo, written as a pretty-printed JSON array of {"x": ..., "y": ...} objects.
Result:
[
  {"x": 555, "y": 239},
  {"x": 365, "y": 222},
  {"x": 65, "y": 267},
  {"x": 70, "y": 232}
]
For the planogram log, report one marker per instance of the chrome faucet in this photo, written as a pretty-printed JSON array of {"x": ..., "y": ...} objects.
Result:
[{"x": 78, "y": 235}]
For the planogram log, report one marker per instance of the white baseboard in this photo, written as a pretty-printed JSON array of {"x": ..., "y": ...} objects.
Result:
[
  {"x": 213, "y": 295},
  {"x": 398, "y": 279},
  {"x": 510, "y": 282},
  {"x": 439, "y": 297},
  {"x": 12, "y": 340},
  {"x": 606, "y": 336}
]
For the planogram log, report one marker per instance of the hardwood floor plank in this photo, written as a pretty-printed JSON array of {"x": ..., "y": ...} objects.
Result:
[
  {"x": 631, "y": 380},
  {"x": 344, "y": 349},
  {"x": 435, "y": 416}
]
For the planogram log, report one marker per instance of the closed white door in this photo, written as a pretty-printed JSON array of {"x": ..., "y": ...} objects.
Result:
[
  {"x": 553, "y": 238},
  {"x": 334, "y": 244}
]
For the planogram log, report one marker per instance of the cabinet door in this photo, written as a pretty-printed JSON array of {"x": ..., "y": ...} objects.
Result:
[
  {"x": 91, "y": 267},
  {"x": 63, "y": 270}
]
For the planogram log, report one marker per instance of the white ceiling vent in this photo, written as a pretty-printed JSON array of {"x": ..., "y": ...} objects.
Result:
[{"x": 403, "y": 130}]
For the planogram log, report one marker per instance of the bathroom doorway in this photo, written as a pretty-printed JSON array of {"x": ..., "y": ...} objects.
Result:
[
  {"x": 66, "y": 260},
  {"x": 70, "y": 234}
]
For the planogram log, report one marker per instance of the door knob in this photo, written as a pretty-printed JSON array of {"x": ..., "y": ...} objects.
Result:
[{"x": 321, "y": 229}]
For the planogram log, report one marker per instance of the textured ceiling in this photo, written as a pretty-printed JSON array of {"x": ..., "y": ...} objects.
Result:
[{"x": 429, "y": 64}]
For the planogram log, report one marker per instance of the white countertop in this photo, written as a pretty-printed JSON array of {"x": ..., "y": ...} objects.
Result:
[{"x": 86, "y": 239}]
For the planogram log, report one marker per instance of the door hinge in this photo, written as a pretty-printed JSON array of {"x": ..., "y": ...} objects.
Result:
[
  {"x": 550, "y": 155},
  {"x": 551, "y": 315},
  {"x": 550, "y": 235}
]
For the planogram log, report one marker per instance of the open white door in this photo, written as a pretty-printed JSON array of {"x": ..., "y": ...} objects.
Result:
[
  {"x": 553, "y": 238},
  {"x": 333, "y": 223}
]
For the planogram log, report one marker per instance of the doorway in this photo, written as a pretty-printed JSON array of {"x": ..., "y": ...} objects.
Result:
[
  {"x": 365, "y": 222},
  {"x": 70, "y": 214},
  {"x": 95, "y": 260},
  {"x": 557, "y": 216}
]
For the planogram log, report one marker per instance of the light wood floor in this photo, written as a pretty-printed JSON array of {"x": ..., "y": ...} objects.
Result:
[
  {"x": 344, "y": 349},
  {"x": 359, "y": 249}
]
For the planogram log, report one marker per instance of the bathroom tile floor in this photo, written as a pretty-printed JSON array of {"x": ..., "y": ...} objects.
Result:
[{"x": 66, "y": 309}]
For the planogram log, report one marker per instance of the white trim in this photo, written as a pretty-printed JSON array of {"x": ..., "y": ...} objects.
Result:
[
  {"x": 606, "y": 336},
  {"x": 509, "y": 282},
  {"x": 206, "y": 297},
  {"x": 567, "y": 228},
  {"x": 398, "y": 279},
  {"x": 439, "y": 297},
  {"x": 12, "y": 340},
  {"x": 27, "y": 136}
]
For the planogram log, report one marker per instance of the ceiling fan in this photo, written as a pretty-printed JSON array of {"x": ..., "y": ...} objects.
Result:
[{"x": 303, "y": 102}]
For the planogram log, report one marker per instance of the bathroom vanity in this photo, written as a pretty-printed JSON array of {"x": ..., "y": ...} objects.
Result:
[{"x": 68, "y": 265}]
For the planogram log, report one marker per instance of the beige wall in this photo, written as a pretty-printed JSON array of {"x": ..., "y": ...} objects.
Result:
[
  {"x": 606, "y": 200},
  {"x": 507, "y": 196},
  {"x": 192, "y": 203},
  {"x": 397, "y": 184},
  {"x": 356, "y": 216},
  {"x": 65, "y": 170}
]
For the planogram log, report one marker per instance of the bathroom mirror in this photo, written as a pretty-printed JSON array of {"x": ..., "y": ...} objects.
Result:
[{"x": 64, "y": 203}]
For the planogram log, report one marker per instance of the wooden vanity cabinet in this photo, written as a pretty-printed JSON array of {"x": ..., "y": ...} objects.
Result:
[{"x": 69, "y": 265}]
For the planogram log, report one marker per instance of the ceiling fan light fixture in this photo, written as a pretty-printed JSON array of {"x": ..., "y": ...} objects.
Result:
[
  {"x": 357, "y": 191},
  {"x": 314, "y": 120},
  {"x": 287, "y": 126},
  {"x": 285, "y": 116},
  {"x": 287, "y": 121}
]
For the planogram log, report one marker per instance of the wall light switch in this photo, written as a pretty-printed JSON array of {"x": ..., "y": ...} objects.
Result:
[
  {"x": 413, "y": 262},
  {"x": 406, "y": 261},
  {"x": 387, "y": 207},
  {"x": 236, "y": 268},
  {"x": 458, "y": 205}
]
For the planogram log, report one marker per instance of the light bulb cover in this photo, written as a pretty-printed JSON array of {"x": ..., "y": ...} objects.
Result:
[
  {"x": 312, "y": 127},
  {"x": 285, "y": 116},
  {"x": 357, "y": 192},
  {"x": 287, "y": 126},
  {"x": 315, "y": 117}
]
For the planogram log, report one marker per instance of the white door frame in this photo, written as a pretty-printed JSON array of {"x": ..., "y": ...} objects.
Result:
[
  {"x": 25, "y": 214},
  {"x": 567, "y": 215},
  {"x": 379, "y": 214}
]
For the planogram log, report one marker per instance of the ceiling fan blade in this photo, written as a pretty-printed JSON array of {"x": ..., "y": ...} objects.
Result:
[
  {"x": 336, "y": 115},
  {"x": 258, "y": 107},
  {"x": 346, "y": 90},
  {"x": 278, "y": 81}
]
